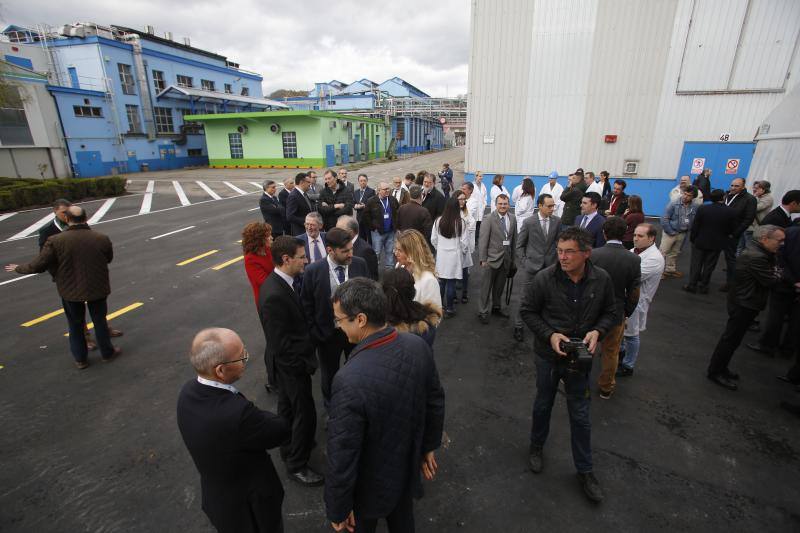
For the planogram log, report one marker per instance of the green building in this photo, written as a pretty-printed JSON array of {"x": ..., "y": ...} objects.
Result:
[{"x": 291, "y": 139}]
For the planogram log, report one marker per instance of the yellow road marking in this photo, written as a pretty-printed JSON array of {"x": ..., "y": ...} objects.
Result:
[
  {"x": 228, "y": 263},
  {"x": 115, "y": 314},
  {"x": 42, "y": 318},
  {"x": 193, "y": 259}
]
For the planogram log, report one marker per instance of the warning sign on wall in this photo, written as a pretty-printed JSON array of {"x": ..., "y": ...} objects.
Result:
[
  {"x": 697, "y": 165},
  {"x": 732, "y": 166}
]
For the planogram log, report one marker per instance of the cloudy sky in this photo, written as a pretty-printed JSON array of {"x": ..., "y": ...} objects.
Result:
[{"x": 296, "y": 43}]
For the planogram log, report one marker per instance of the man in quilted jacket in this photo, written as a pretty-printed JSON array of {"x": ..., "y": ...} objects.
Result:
[
  {"x": 80, "y": 258},
  {"x": 386, "y": 417}
]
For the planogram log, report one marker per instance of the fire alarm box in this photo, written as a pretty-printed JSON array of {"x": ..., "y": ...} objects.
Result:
[{"x": 611, "y": 139}]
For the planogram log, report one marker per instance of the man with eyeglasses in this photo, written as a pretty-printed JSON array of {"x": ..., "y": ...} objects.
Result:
[
  {"x": 571, "y": 300},
  {"x": 380, "y": 217},
  {"x": 290, "y": 355},
  {"x": 228, "y": 438}
]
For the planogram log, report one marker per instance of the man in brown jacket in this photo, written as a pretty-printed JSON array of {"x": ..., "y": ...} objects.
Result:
[
  {"x": 413, "y": 216},
  {"x": 80, "y": 257}
]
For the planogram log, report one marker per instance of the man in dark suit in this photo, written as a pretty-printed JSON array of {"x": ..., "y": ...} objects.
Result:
[
  {"x": 290, "y": 355},
  {"x": 361, "y": 248},
  {"x": 228, "y": 438},
  {"x": 432, "y": 199},
  {"x": 387, "y": 414},
  {"x": 590, "y": 220},
  {"x": 619, "y": 200},
  {"x": 710, "y": 231},
  {"x": 283, "y": 196},
  {"x": 413, "y": 216},
  {"x": 319, "y": 282},
  {"x": 744, "y": 205},
  {"x": 536, "y": 248},
  {"x": 271, "y": 209},
  {"x": 625, "y": 269},
  {"x": 335, "y": 200},
  {"x": 360, "y": 198},
  {"x": 781, "y": 216},
  {"x": 313, "y": 238},
  {"x": 298, "y": 205},
  {"x": 381, "y": 218}
]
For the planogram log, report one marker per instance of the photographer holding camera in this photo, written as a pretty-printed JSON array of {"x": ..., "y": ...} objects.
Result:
[{"x": 569, "y": 307}]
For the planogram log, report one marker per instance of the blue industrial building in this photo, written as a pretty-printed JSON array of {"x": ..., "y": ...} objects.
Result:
[
  {"x": 411, "y": 133},
  {"x": 121, "y": 95}
]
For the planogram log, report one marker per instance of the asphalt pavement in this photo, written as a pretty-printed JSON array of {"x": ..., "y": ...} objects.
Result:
[{"x": 99, "y": 449}]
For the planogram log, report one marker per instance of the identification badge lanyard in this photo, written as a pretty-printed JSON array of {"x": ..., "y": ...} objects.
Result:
[{"x": 385, "y": 203}]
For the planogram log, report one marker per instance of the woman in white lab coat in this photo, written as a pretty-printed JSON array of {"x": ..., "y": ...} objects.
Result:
[
  {"x": 479, "y": 193},
  {"x": 497, "y": 189},
  {"x": 524, "y": 207},
  {"x": 450, "y": 237},
  {"x": 466, "y": 260}
]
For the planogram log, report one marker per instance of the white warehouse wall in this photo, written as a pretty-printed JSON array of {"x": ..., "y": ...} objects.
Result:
[{"x": 549, "y": 78}]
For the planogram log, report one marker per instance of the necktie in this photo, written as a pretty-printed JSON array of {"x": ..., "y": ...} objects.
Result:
[
  {"x": 340, "y": 273},
  {"x": 584, "y": 222},
  {"x": 314, "y": 252},
  {"x": 503, "y": 225},
  {"x": 544, "y": 226},
  {"x": 296, "y": 284}
]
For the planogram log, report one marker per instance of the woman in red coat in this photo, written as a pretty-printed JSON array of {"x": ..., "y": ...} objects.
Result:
[
  {"x": 633, "y": 217},
  {"x": 256, "y": 244}
]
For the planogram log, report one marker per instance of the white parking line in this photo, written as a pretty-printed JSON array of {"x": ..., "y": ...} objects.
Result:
[
  {"x": 100, "y": 213},
  {"x": 32, "y": 228},
  {"x": 208, "y": 190},
  {"x": 181, "y": 194},
  {"x": 255, "y": 208},
  {"x": 234, "y": 187},
  {"x": 257, "y": 185},
  {"x": 170, "y": 233},
  {"x": 19, "y": 278},
  {"x": 7, "y": 215},
  {"x": 147, "y": 200}
]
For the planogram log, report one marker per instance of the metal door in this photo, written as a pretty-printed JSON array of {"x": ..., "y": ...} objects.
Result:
[
  {"x": 330, "y": 155},
  {"x": 133, "y": 163},
  {"x": 727, "y": 160},
  {"x": 89, "y": 163}
]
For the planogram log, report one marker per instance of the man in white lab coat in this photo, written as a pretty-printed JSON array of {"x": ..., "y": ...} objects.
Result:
[
  {"x": 644, "y": 244},
  {"x": 554, "y": 189}
]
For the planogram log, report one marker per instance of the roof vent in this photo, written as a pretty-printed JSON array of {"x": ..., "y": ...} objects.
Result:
[{"x": 151, "y": 30}]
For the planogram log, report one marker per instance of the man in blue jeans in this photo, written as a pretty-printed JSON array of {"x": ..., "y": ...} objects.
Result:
[{"x": 571, "y": 288}]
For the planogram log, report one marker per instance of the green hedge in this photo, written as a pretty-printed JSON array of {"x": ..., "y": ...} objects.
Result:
[{"x": 28, "y": 192}]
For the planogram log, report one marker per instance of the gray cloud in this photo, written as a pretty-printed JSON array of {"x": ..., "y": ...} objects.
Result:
[{"x": 294, "y": 44}]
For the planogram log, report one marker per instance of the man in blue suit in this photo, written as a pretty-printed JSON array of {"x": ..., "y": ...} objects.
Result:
[
  {"x": 319, "y": 281},
  {"x": 313, "y": 238},
  {"x": 298, "y": 204},
  {"x": 590, "y": 220}
]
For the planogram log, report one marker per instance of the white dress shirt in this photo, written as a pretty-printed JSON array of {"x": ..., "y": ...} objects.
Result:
[
  {"x": 217, "y": 384},
  {"x": 320, "y": 248},
  {"x": 334, "y": 279},
  {"x": 587, "y": 219}
]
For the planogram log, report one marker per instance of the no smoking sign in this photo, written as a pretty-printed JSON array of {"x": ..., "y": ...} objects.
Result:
[{"x": 732, "y": 166}]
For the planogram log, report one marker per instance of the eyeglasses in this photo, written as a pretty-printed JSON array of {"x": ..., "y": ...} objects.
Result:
[
  {"x": 338, "y": 321},
  {"x": 242, "y": 359}
]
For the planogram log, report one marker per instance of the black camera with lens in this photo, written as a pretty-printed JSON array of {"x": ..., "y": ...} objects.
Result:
[{"x": 578, "y": 357}]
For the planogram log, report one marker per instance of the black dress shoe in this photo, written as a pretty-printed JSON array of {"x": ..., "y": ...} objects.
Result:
[
  {"x": 787, "y": 379},
  {"x": 498, "y": 311},
  {"x": 702, "y": 290},
  {"x": 449, "y": 313},
  {"x": 591, "y": 487},
  {"x": 756, "y": 347},
  {"x": 624, "y": 371},
  {"x": 723, "y": 381},
  {"x": 518, "y": 336},
  {"x": 730, "y": 374},
  {"x": 483, "y": 318},
  {"x": 465, "y": 299},
  {"x": 535, "y": 459},
  {"x": 308, "y": 477},
  {"x": 689, "y": 288}
]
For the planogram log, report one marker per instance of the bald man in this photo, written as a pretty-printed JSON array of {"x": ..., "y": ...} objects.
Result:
[
  {"x": 228, "y": 438},
  {"x": 79, "y": 256},
  {"x": 380, "y": 217}
]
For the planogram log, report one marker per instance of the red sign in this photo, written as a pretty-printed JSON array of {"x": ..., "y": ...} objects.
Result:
[
  {"x": 732, "y": 166},
  {"x": 611, "y": 139},
  {"x": 442, "y": 120}
]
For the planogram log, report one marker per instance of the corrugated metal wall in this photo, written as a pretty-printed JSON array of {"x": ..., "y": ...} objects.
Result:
[{"x": 549, "y": 78}]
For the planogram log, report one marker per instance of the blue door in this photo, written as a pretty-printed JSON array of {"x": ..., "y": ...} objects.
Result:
[
  {"x": 345, "y": 153},
  {"x": 73, "y": 78},
  {"x": 357, "y": 146},
  {"x": 89, "y": 164},
  {"x": 378, "y": 147},
  {"x": 726, "y": 161},
  {"x": 133, "y": 163},
  {"x": 330, "y": 155},
  {"x": 167, "y": 154}
]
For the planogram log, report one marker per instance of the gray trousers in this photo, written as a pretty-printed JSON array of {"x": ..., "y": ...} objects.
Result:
[
  {"x": 493, "y": 281},
  {"x": 525, "y": 280}
]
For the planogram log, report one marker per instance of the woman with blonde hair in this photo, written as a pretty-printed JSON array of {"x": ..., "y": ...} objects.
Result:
[
  {"x": 256, "y": 244},
  {"x": 413, "y": 253}
]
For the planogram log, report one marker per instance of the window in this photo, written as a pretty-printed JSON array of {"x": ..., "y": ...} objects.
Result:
[
  {"x": 194, "y": 152},
  {"x": 235, "y": 142},
  {"x": 158, "y": 80},
  {"x": 289, "y": 144},
  {"x": 126, "y": 78},
  {"x": 163, "y": 116},
  {"x": 87, "y": 111},
  {"x": 189, "y": 127},
  {"x": 207, "y": 85},
  {"x": 17, "y": 37},
  {"x": 401, "y": 130},
  {"x": 134, "y": 124},
  {"x": 228, "y": 88},
  {"x": 14, "y": 127},
  {"x": 184, "y": 81},
  {"x": 245, "y": 91}
]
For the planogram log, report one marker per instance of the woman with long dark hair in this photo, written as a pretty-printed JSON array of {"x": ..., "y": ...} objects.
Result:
[
  {"x": 403, "y": 312},
  {"x": 256, "y": 244},
  {"x": 524, "y": 206},
  {"x": 633, "y": 217},
  {"x": 450, "y": 237}
]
